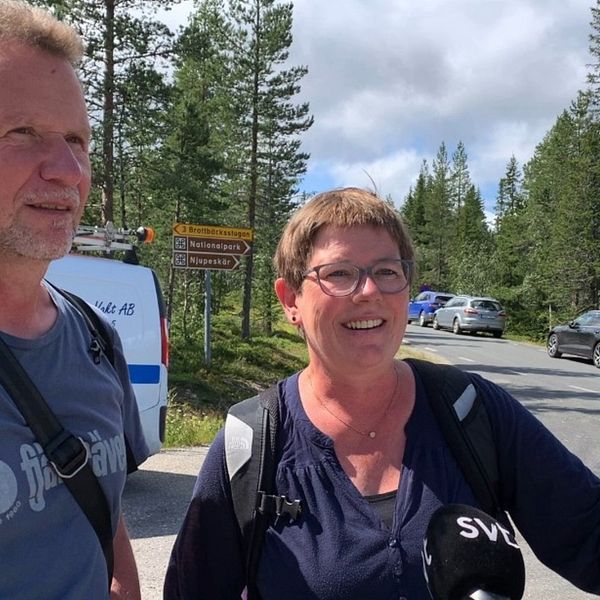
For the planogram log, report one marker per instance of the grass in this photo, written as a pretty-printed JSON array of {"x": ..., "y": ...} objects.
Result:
[
  {"x": 187, "y": 426},
  {"x": 199, "y": 396}
]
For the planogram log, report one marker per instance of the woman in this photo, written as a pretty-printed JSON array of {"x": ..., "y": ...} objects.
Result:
[{"x": 359, "y": 444}]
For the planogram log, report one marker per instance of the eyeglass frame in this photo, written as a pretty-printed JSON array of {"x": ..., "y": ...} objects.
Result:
[{"x": 363, "y": 272}]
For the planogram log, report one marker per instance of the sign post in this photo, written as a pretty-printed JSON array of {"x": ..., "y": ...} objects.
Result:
[
  {"x": 207, "y": 302},
  {"x": 209, "y": 247}
]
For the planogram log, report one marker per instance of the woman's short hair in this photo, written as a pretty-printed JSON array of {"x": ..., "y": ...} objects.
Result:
[
  {"x": 347, "y": 207},
  {"x": 37, "y": 28}
]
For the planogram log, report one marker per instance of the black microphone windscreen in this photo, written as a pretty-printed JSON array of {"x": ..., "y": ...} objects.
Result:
[{"x": 465, "y": 550}]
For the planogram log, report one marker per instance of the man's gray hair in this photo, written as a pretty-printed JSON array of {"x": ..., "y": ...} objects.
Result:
[{"x": 35, "y": 27}]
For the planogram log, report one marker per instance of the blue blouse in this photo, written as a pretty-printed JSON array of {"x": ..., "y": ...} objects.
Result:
[{"x": 340, "y": 550}]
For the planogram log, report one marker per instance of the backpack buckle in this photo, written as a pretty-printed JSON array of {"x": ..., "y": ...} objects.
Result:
[
  {"x": 96, "y": 349},
  {"x": 279, "y": 505},
  {"x": 292, "y": 508},
  {"x": 67, "y": 454}
]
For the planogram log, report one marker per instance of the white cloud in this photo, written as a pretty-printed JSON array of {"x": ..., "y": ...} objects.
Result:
[
  {"x": 387, "y": 175},
  {"x": 389, "y": 80}
]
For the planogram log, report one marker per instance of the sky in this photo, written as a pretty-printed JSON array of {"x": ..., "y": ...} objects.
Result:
[{"x": 390, "y": 80}]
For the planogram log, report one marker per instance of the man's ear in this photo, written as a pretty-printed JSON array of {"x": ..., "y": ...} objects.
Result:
[{"x": 287, "y": 297}]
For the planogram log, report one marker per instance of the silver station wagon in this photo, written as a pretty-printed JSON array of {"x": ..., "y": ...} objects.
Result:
[{"x": 471, "y": 313}]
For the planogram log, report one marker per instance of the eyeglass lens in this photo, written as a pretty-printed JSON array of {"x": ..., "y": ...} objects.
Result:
[{"x": 342, "y": 279}]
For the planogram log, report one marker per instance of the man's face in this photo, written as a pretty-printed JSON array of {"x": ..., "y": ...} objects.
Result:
[{"x": 45, "y": 173}]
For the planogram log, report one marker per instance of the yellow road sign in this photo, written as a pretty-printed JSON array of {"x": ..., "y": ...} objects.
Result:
[{"x": 213, "y": 231}]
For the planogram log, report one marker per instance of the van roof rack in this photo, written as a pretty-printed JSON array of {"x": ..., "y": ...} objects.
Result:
[{"x": 109, "y": 238}]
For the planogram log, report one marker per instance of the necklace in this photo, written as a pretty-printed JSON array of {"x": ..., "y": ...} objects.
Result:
[{"x": 370, "y": 434}]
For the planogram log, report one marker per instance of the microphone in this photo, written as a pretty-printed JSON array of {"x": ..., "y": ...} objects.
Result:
[{"x": 467, "y": 554}]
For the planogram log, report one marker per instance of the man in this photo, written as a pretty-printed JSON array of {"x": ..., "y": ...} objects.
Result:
[{"x": 48, "y": 548}]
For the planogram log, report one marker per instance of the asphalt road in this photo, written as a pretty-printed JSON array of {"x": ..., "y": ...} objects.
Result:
[{"x": 564, "y": 394}]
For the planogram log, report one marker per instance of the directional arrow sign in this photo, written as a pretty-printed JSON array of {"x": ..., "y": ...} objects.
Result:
[
  {"x": 211, "y": 245},
  {"x": 197, "y": 260},
  {"x": 213, "y": 231}
]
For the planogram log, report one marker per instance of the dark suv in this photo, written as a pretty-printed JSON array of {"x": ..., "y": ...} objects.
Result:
[{"x": 422, "y": 307}]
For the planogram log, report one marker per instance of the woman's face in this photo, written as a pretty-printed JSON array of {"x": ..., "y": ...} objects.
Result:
[{"x": 362, "y": 330}]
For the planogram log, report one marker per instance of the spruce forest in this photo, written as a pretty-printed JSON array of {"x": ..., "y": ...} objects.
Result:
[{"x": 204, "y": 126}]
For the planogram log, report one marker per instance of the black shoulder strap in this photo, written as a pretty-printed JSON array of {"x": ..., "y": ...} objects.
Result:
[
  {"x": 102, "y": 342},
  {"x": 250, "y": 444},
  {"x": 97, "y": 327},
  {"x": 464, "y": 422},
  {"x": 66, "y": 453}
]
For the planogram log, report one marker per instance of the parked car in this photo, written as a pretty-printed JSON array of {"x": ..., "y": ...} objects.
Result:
[
  {"x": 580, "y": 337},
  {"x": 470, "y": 313},
  {"x": 422, "y": 307}
]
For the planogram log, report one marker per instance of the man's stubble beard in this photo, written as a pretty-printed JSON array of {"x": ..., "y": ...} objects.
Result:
[
  {"x": 28, "y": 241},
  {"x": 24, "y": 242}
]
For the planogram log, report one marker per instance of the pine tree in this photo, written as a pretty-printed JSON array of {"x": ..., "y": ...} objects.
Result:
[
  {"x": 191, "y": 164},
  {"x": 460, "y": 178},
  {"x": 125, "y": 91},
  {"x": 269, "y": 162},
  {"x": 510, "y": 197},
  {"x": 593, "y": 76},
  {"x": 438, "y": 227},
  {"x": 472, "y": 256},
  {"x": 413, "y": 208}
]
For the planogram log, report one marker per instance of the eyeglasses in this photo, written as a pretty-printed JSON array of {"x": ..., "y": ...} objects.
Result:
[{"x": 343, "y": 278}]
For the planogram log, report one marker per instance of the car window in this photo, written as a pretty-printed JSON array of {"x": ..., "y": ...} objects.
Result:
[
  {"x": 595, "y": 322},
  {"x": 442, "y": 299},
  {"x": 586, "y": 319},
  {"x": 486, "y": 305},
  {"x": 456, "y": 302},
  {"x": 421, "y": 297}
]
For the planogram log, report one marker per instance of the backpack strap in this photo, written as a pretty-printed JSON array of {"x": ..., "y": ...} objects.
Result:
[
  {"x": 101, "y": 339},
  {"x": 251, "y": 431},
  {"x": 463, "y": 419},
  {"x": 67, "y": 454},
  {"x": 102, "y": 343}
]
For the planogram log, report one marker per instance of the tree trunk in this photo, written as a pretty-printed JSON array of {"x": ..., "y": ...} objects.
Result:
[
  {"x": 253, "y": 180},
  {"x": 108, "y": 113}
]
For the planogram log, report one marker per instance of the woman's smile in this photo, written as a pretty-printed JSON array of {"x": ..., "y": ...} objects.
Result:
[{"x": 364, "y": 324}]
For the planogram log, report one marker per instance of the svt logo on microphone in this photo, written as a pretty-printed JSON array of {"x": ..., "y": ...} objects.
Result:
[{"x": 471, "y": 528}]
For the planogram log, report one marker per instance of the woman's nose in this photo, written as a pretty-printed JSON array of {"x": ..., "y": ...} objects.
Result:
[{"x": 367, "y": 286}]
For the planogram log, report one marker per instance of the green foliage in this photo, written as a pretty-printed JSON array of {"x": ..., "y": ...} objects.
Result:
[
  {"x": 206, "y": 129},
  {"x": 124, "y": 76},
  {"x": 201, "y": 394},
  {"x": 189, "y": 427}
]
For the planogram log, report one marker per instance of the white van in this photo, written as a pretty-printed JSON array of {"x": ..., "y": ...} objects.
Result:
[{"x": 130, "y": 296}]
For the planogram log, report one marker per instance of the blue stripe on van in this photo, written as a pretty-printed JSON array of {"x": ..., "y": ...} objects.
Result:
[{"x": 144, "y": 373}]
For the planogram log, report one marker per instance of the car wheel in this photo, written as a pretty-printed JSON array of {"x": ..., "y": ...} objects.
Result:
[
  {"x": 422, "y": 321},
  {"x": 435, "y": 325},
  {"x": 456, "y": 327},
  {"x": 596, "y": 355},
  {"x": 552, "y": 347},
  {"x": 497, "y": 334}
]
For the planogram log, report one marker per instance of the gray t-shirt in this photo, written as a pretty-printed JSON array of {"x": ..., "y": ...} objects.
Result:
[{"x": 48, "y": 548}]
